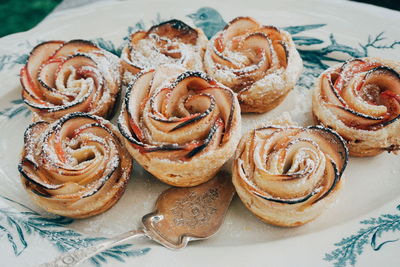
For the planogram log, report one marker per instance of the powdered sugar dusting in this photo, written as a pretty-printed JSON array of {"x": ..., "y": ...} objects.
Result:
[
  {"x": 80, "y": 155},
  {"x": 152, "y": 50},
  {"x": 82, "y": 81}
]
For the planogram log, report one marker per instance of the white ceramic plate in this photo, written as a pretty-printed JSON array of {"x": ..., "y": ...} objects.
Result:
[{"x": 362, "y": 228}]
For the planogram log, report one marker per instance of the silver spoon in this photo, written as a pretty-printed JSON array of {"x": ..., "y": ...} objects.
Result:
[{"x": 181, "y": 215}]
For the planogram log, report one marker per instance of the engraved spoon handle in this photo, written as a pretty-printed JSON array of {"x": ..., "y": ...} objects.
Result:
[{"x": 78, "y": 256}]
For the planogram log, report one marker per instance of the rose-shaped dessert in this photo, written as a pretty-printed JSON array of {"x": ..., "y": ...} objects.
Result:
[
  {"x": 360, "y": 99},
  {"x": 287, "y": 175},
  {"x": 258, "y": 62},
  {"x": 76, "y": 166},
  {"x": 180, "y": 125},
  {"x": 170, "y": 42},
  {"x": 64, "y": 77}
]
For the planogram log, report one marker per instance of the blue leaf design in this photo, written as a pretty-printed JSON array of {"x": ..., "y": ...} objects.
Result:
[
  {"x": 376, "y": 42},
  {"x": 122, "y": 247},
  {"x": 94, "y": 261},
  {"x": 373, "y": 241},
  {"x": 114, "y": 256},
  {"x": 10, "y": 239},
  {"x": 209, "y": 20},
  {"x": 350, "y": 247},
  {"x": 304, "y": 40},
  {"x": 10, "y": 60},
  {"x": 17, "y": 101},
  {"x": 100, "y": 257},
  {"x": 53, "y": 230},
  {"x": 58, "y": 220},
  {"x": 21, "y": 236},
  {"x": 16, "y": 111},
  {"x": 301, "y": 28},
  {"x": 21, "y": 59},
  {"x": 17, "y": 108}
]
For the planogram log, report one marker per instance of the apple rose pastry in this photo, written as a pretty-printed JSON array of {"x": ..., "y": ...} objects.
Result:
[
  {"x": 360, "y": 99},
  {"x": 180, "y": 126},
  {"x": 287, "y": 175},
  {"x": 76, "y": 166},
  {"x": 258, "y": 62},
  {"x": 64, "y": 77},
  {"x": 170, "y": 42}
]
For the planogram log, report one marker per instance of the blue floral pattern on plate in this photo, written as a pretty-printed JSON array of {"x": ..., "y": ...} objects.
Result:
[
  {"x": 17, "y": 226},
  {"x": 350, "y": 247}
]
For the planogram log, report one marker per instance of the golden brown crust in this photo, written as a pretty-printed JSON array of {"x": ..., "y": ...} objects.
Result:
[
  {"x": 263, "y": 105},
  {"x": 75, "y": 167},
  {"x": 287, "y": 175},
  {"x": 360, "y": 99},
  {"x": 170, "y": 42},
  {"x": 60, "y": 78},
  {"x": 258, "y": 62},
  {"x": 181, "y": 126}
]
